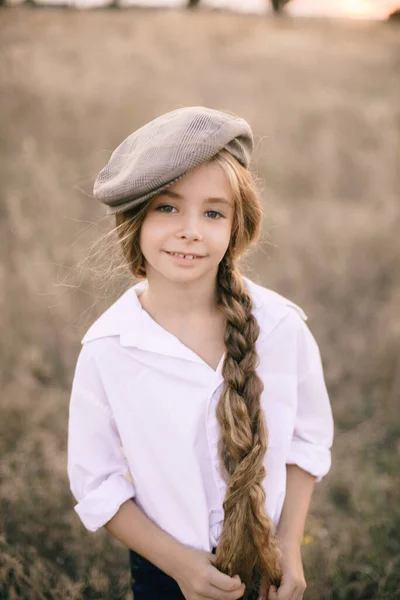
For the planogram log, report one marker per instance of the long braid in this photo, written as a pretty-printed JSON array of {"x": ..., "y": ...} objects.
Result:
[{"x": 247, "y": 544}]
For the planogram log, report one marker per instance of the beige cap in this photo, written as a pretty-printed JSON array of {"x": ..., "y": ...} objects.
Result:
[{"x": 158, "y": 154}]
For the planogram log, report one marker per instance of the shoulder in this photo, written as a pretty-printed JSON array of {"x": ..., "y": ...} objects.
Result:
[
  {"x": 267, "y": 300},
  {"x": 121, "y": 317},
  {"x": 270, "y": 308}
]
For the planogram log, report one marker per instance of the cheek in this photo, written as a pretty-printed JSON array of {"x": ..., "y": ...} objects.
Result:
[
  {"x": 145, "y": 238},
  {"x": 150, "y": 236},
  {"x": 224, "y": 234}
]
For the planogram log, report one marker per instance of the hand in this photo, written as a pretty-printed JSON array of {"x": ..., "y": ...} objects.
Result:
[
  {"x": 293, "y": 584},
  {"x": 199, "y": 579}
]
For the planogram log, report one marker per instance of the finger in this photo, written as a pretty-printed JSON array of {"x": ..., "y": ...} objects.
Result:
[
  {"x": 284, "y": 593},
  {"x": 218, "y": 594},
  {"x": 224, "y": 582},
  {"x": 289, "y": 592},
  {"x": 272, "y": 593}
]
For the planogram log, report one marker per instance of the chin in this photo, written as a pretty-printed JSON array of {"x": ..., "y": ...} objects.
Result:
[{"x": 182, "y": 277}]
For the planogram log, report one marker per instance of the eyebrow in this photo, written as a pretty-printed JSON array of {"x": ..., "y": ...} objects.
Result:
[{"x": 212, "y": 200}]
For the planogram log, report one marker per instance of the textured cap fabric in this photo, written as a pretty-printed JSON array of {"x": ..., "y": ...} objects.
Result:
[{"x": 155, "y": 156}]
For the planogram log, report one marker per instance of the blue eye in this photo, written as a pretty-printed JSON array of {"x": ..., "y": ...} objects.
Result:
[
  {"x": 168, "y": 208},
  {"x": 165, "y": 208},
  {"x": 216, "y": 214}
]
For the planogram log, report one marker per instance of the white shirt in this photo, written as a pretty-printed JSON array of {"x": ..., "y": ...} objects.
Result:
[{"x": 142, "y": 418}]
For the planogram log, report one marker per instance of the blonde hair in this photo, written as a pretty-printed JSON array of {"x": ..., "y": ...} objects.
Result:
[{"x": 247, "y": 545}]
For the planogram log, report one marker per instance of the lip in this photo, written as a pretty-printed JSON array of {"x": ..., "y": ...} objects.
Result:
[{"x": 185, "y": 260}]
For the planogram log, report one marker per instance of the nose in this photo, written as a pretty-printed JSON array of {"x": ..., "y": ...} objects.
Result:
[{"x": 190, "y": 230}]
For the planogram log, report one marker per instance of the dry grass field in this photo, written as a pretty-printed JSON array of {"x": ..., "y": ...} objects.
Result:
[{"x": 324, "y": 102}]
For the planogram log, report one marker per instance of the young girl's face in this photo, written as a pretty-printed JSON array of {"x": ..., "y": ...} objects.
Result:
[{"x": 187, "y": 228}]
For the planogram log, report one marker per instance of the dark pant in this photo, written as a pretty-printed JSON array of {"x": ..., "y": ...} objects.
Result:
[{"x": 150, "y": 583}]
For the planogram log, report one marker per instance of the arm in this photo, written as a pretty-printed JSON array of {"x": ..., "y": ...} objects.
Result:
[
  {"x": 99, "y": 480},
  {"x": 192, "y": 569},
  {"x": 308, "y": 461},
  {"x": 309, "y": 457},
  {"x": 136, "y": 531},
  {"x": 314, "y": 427},
  {"x": 290, "y": 531},
  {"x": 299, "y": 490},
  {"x": 97, "y": 468},
  {"x": 99, "y": 472}
]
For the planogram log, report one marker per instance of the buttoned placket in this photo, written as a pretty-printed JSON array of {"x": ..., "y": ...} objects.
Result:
[{"x": 216, "y": 515}]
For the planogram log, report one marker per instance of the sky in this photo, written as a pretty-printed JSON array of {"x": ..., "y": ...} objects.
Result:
[
  {"x": 361, "y": 9},
  {"x": 357, "y": 9}
]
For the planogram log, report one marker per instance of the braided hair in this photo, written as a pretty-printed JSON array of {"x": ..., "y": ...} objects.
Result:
[{"x": 247, "y": 545}]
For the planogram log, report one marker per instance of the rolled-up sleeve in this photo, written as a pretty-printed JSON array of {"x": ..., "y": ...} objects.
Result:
[
  {"x": 97, "y": 468},
  {"x": 314, "y": 427}
]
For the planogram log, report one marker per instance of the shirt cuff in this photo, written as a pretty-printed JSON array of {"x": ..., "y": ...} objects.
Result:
[
  {"x": 313, "y": 458},
  {"x": 99, "y": 506}
]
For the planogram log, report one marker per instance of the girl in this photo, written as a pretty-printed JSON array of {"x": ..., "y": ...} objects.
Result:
[{"x": 199, "y": 417}]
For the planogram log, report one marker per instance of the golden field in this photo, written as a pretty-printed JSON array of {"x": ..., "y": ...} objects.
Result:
[{"x": 323, "y": 99}]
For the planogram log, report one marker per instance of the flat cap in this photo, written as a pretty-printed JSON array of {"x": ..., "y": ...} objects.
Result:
[{"x": 155, "y": 156}]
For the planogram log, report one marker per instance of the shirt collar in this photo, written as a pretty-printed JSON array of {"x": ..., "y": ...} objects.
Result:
[{"x": 127, "y": 319}]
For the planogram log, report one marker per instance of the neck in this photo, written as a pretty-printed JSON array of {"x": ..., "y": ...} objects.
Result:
[{"x": 181, "y": 300}]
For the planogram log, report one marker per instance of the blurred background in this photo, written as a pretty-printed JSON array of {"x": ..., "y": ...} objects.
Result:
[
  {"x": 359, "y": 9},
  {"x": 320, "y": 87}
]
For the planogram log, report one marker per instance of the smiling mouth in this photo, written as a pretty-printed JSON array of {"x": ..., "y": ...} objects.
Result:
[{"x": 185, "y": 256}]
